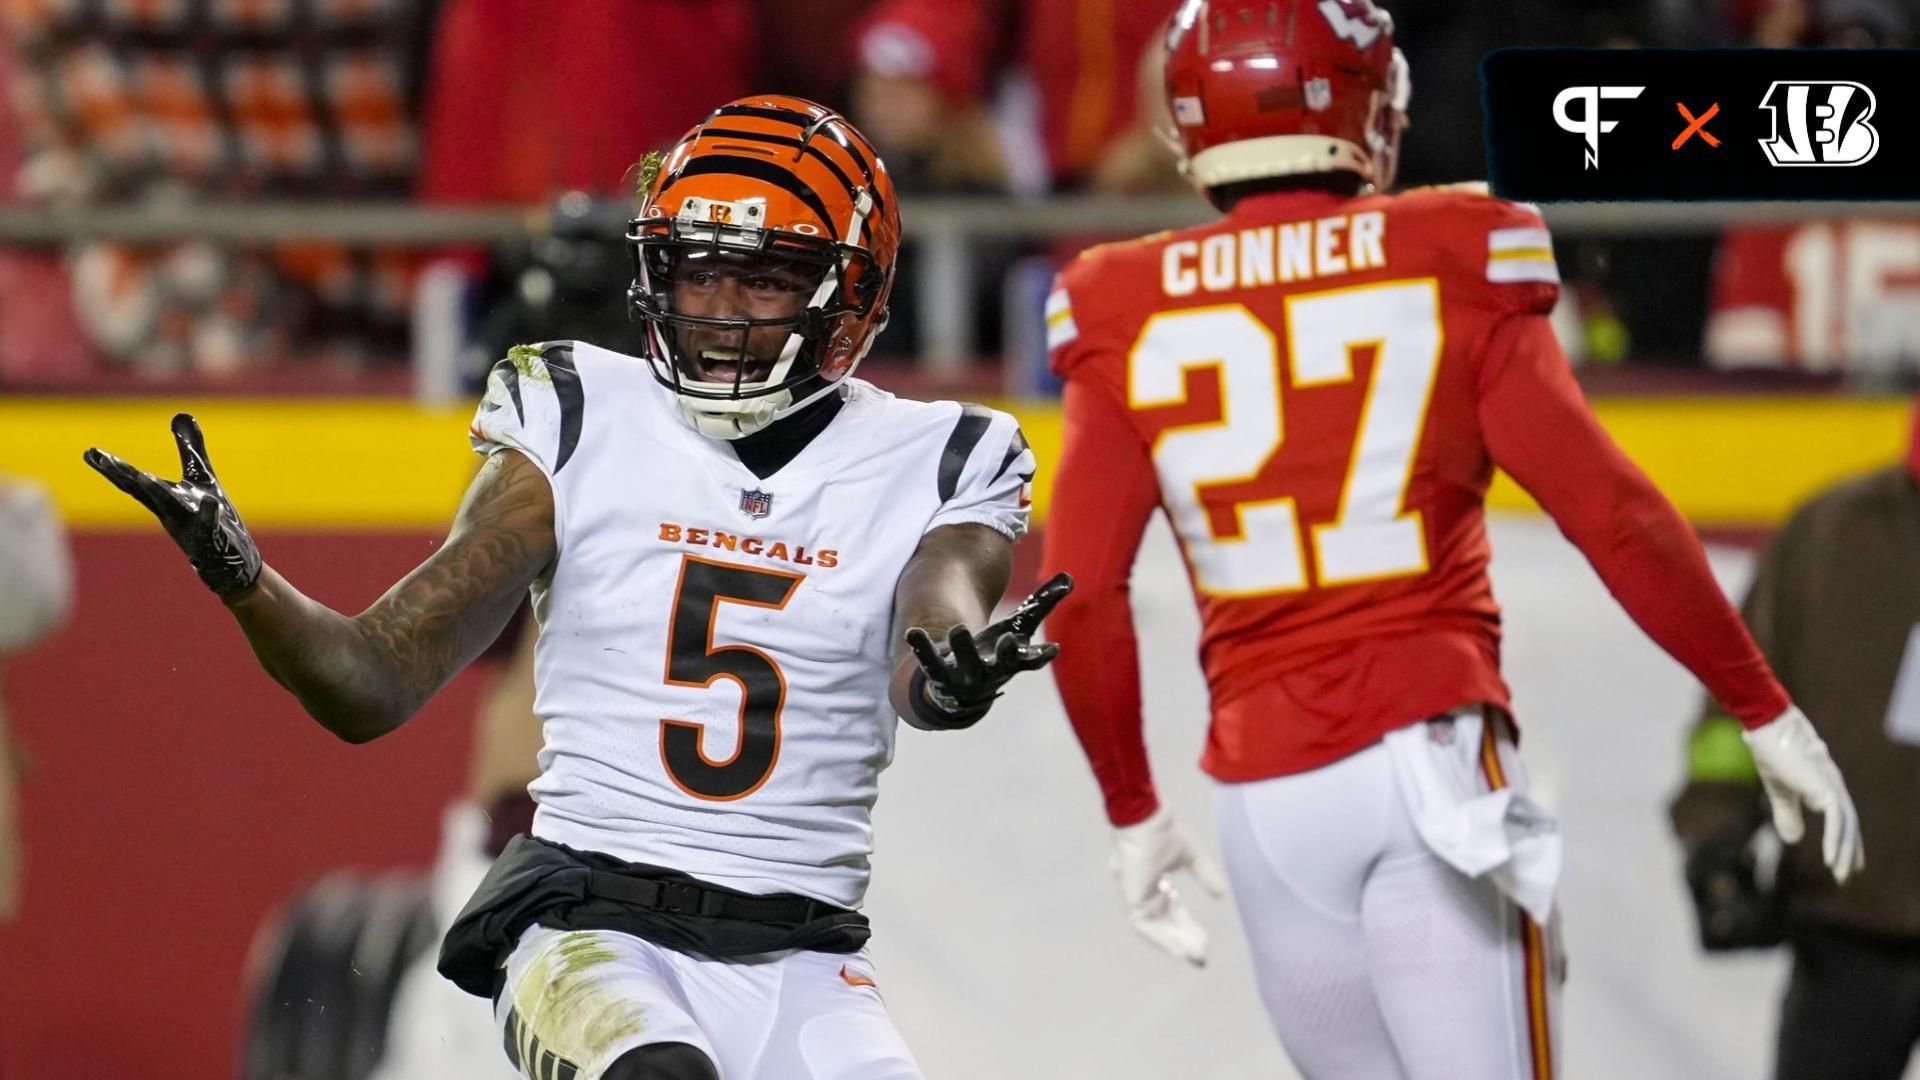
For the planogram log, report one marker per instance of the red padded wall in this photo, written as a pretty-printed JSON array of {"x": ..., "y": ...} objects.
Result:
[{"x": 178, "y": 795}]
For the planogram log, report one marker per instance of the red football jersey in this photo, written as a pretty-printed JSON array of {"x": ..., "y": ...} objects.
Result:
[
  {"x": 1317, "y": 389},
  {"x": 1818, "y": 296}
]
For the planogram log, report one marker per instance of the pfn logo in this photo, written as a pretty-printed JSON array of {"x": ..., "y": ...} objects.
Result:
[
  {"x": 1589, "y": 125},
  {"x": 1825, "y": 123}
]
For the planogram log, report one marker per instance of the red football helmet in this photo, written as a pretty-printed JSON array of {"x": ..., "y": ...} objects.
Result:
[{"x": 1266, "y": 88}]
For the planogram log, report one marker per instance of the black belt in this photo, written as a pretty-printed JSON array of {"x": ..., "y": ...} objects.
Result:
[{"x": 689, "y": 898}]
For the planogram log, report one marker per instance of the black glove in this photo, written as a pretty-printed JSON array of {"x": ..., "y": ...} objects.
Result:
[
  {"x": 958, "y": 679},
  {"x": 1737, "y": 896},
  {"x": 196, "y": 511}
]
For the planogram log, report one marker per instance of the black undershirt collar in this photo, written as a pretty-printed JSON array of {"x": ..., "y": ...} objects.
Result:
[{"x": 768, "y": 450}]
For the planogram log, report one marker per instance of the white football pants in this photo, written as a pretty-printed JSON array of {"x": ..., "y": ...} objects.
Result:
[
  {"x": 574, "y": 1001},
  {"x": 1378, "y": 959}
]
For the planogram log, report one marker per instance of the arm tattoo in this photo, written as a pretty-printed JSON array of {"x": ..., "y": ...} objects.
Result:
[{"x": 442, "y": 615}]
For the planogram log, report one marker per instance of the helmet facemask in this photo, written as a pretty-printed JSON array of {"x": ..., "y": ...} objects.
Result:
[
  {"x": 739, "y": 316},
  {"x": 1390, "y": 121}
]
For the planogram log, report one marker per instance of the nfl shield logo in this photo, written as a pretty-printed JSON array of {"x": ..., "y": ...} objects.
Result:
[{"x": 756, "y": 504}]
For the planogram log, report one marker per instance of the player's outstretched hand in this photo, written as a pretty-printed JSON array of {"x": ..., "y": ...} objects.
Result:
[
  {"x": 963, "y": 675},
  {"x": 1145, "y": 858},
  {"x": 194, "y": 510},
  {"x": 1797, "y": 771}
]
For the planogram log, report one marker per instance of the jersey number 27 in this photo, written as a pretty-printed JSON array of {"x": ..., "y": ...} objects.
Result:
[{"x": 1373, "y": 537}]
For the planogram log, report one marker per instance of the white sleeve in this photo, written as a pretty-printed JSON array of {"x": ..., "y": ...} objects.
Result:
[
  {"x": 985, "y": 469},
  {"x": 36, "y": 570},
  {"x": 534, "y": 404}
]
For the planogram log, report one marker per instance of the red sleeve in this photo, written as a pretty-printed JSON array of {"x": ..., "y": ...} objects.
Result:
[
  {"x": 1104, "y": 492},
  {"x": 1538, "y": 428}
]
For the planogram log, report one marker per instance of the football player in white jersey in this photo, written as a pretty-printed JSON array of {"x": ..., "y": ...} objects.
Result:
[{"x": 745, "y": 564}]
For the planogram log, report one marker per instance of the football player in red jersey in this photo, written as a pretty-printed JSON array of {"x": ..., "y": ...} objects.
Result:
[{"x": 1317, "y": 388}]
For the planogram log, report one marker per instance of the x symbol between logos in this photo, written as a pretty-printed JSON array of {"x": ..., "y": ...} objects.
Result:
[{"x": 1697, "y": 125}]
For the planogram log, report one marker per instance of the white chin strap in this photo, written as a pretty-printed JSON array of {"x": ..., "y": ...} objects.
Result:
[
  {"x": 737, "y": 418},
  {"x": 733, "y": 418}
]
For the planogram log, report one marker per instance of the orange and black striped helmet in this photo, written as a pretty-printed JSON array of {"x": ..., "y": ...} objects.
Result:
[{"x": 768, "y": 177}]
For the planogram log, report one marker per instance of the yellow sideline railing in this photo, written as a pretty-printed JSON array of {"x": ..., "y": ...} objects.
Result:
[{"x": 381, "y": 464}]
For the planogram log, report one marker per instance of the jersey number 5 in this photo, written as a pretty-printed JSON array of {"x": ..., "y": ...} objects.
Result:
[
  {"x": 1373, "y": 537},
  {"x": 692, "y": 660}
]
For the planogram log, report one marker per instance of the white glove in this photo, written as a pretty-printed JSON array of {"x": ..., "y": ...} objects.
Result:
[
  {"x": 1795, "y": 768},
  {"x": 1144, "y": 857}
]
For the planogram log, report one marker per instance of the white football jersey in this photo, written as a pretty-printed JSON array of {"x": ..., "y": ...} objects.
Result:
[{"x": 714, "y": 647}]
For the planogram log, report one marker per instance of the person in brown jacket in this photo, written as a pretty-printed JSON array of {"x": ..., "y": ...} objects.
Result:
[{"x": 1835, "y": 606}]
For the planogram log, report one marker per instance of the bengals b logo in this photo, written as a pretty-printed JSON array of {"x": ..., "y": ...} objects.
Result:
[{"x": 1820, "y": 123}]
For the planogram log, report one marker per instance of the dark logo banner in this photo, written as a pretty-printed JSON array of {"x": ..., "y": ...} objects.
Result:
[{"x": 1606, "y": 124}]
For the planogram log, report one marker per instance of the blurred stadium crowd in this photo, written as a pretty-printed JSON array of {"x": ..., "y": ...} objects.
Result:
[{"x": 177, "y": 103}]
